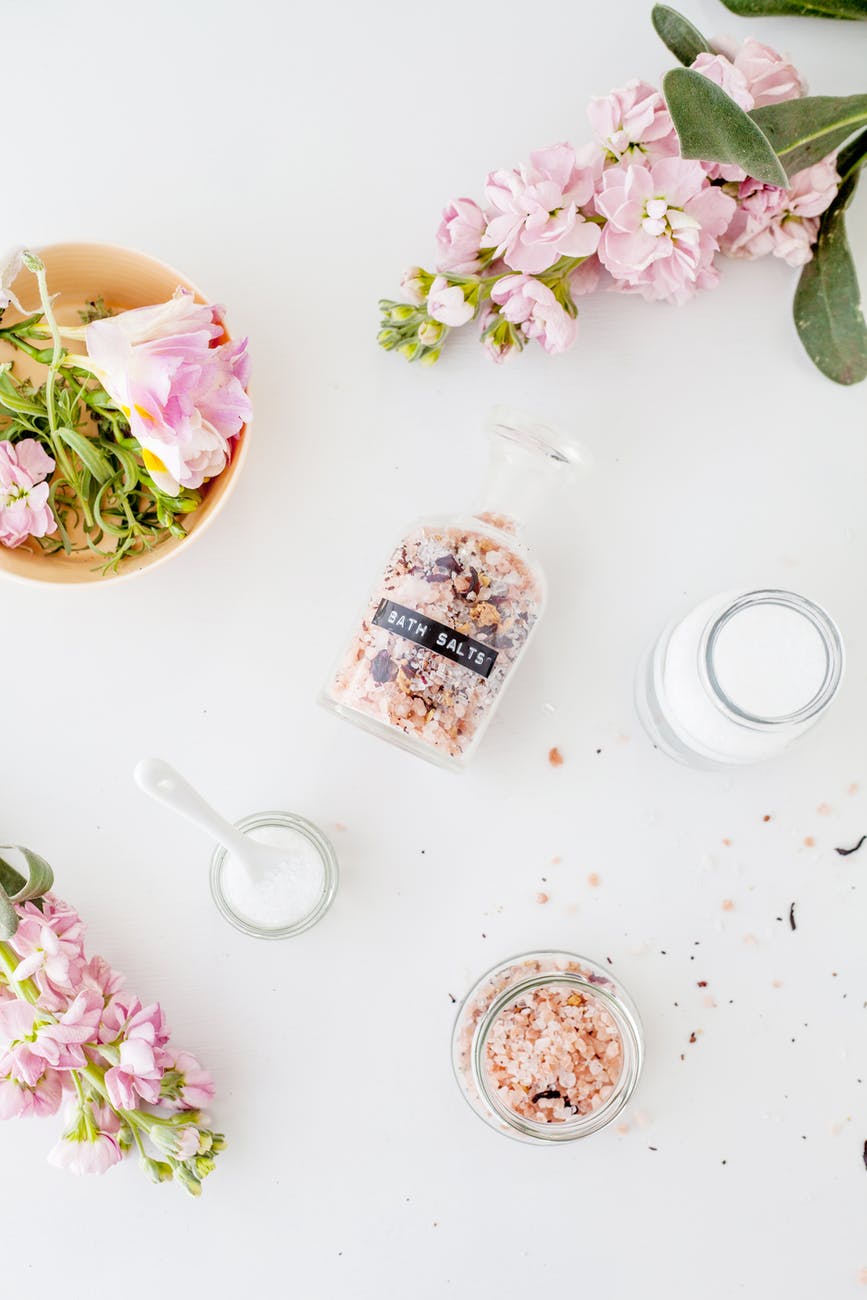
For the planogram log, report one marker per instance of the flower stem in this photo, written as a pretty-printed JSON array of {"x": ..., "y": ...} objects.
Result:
[
  {"x": 57, "y": 348},
  {"x": 54, "y": 365}
]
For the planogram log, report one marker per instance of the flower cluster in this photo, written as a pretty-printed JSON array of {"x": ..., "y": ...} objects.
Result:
[
  {"x": 626, "y": 212},
  {"x": 114, "y": 450},
  {"x": 70, "y": 1033}
]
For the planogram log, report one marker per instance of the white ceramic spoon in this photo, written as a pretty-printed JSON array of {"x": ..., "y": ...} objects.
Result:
[{"x": 163, "y": 783}]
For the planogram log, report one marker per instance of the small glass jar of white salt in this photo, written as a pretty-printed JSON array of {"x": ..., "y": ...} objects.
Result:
[
  {"x": 286, "y": 899},
  {"x": 739, "y": 678}
]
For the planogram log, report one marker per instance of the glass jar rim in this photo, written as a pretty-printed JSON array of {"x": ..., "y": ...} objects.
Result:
[
  {"x": 618, "y": 1005},
  {"x": 827, "y": 631},
  {"x": 330, "y": 869}
]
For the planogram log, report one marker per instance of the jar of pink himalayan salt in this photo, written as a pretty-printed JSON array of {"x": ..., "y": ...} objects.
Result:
[
  {"x": 548, "y": 1047},
  {"x": 451, "y": 613}
]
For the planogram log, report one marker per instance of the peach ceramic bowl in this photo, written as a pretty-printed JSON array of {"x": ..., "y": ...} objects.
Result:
[{"x": 124, "y": 278}]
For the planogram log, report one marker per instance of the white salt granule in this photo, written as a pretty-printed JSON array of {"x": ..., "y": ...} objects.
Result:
[{"x": 283, "y": 895}]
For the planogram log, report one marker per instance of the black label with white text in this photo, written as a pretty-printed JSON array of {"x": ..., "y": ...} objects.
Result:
[{"x": 435, "y": 636}]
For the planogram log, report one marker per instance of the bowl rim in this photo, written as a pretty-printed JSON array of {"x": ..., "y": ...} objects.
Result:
[{"x": 239, "y": 451}]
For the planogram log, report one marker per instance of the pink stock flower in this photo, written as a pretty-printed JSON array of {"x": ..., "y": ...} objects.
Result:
[
  {"x": 45, "y": 954},
  {"x": 633, "y": 123},
  {"x": 536, "y": 211},
  {"x": 459, "y": 236},
  {"x": 720, "y": 70},
  {"x": 662, "y": 229},
  {"x": 24, "y": 508},
  {"x": 93, "y": 1155},
  {"x": 182, "y": 390},
  {"x": 783, "y": 222},
  {"x": 770, "y": 78},
  {"x": 195, "y": 1087},
  {"x": 36, "y": 1044},
  {"x": 50, "y": 943},
  {"x": 532, "y": 306},
  {"x": 412, "y": 283},
  {"x": 99, "y": 978},
  {"x": 186, "y": 1142},
  {"x": 141, "y": 1037},
  {"x": 447, "y": 304},
  {"x": 27, "y": 1085},
  {"x": 23, "y": 1100},
  {"x": 61, "y": 1044},
  {"x": 89, "y": 1148}
]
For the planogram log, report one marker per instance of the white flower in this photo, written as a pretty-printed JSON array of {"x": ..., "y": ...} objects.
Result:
[{"x": 10, "y": 266}]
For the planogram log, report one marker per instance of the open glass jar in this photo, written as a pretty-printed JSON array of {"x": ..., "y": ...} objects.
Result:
[
  {"x": 547, "y": 1047},
  {"x": 454, "y": 608},
  {"x": 739, "y": 678}
]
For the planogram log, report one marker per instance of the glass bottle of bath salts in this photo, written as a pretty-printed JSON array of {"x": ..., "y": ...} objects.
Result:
[
  {"x": 455, "y": 606},
  {"x": 739, "y": 678}
]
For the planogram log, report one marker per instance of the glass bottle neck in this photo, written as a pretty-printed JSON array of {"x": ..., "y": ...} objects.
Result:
[{"x": 529, "y": 461}]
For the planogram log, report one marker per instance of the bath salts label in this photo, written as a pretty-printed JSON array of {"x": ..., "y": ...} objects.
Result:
[{"x": 443, "y": 640}]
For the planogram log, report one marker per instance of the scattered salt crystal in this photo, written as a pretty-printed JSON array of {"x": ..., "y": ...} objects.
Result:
[
  {"x": 284, "y": 894},
  {"x": 541, "y": 897}
]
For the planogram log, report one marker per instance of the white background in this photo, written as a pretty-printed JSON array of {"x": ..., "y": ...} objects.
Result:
[{"x": 292, "y": 160}]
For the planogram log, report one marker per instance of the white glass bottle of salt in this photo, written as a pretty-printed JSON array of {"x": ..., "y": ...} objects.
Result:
[
  {"x": 455, "y": 606},
  {"x": 739, "y": 678}
]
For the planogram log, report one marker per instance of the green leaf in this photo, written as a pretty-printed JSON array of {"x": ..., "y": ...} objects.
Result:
[
  {"x": 30, "y": 879},
  {"x": 712, "y": 127},
  {"x": 810, "y": 8},
  {"x": 804, "y": 131},
  {"x": 129, "y": 465},
  {"x": 8, "y": 917},
  {"x": 827, "y": 306},
  {"x": 685, "y": 41},
  {"x": 89, "y": 453},
  {"x": 851, "y": 158},
  {"x": 12, "y": 400}
]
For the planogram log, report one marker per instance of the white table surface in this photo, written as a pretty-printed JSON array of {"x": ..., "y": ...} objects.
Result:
[{"x": 292, "y": 160}]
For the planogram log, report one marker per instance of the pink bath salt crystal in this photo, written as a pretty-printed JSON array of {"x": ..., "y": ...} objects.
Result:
[
  {"x": 541, "y": 897},
  {"x": 554, "y": 1054}
]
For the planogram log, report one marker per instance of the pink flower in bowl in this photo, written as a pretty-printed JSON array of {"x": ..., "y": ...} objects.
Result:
[
  {"x": 24, "y": 508},
  {"x": 181, "y": 388}
]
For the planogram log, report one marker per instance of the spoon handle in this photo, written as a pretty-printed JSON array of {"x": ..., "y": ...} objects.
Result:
[{"x": 160, "y": 780}]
